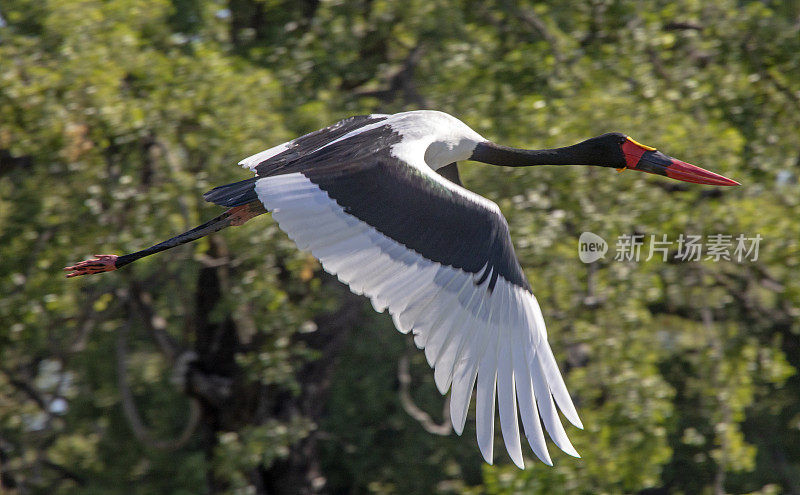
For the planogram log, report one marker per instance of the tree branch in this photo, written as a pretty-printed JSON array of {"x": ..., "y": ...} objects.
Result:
[
  {"x": 140, "y": 431},
  {"x": 155, "y": 324},
  {"x": 25, "y": 388},
  {"x": 535, "y": 22},
  {"x": 402, "y": 81},
  {"x": 404, "y": 377},
  {"x": 683, "y": 26}
]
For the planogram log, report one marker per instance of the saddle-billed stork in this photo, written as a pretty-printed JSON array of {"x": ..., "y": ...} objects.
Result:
[{"x": 364, "y": 197}]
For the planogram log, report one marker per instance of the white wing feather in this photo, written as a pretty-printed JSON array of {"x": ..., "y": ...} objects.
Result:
[{"x": 471, "y": 336}]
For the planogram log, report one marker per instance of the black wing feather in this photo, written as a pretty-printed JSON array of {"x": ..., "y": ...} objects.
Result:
[
  {"x": 243, "y": 192},
  {"x": 396, "y": 199},
  {"x": 312, "y": 142},
  {"x": 411, "y": 207}
]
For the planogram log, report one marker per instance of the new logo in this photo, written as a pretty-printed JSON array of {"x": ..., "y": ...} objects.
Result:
[{"x": 591, "y": 247}]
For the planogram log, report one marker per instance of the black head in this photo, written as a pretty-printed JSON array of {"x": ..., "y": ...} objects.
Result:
[
  {"x": 604, "y": 150},
  {"x": 617, "y": 150}
]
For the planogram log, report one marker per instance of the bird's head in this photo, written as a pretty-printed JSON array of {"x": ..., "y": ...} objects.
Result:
[{"x": 623, "y": 152}]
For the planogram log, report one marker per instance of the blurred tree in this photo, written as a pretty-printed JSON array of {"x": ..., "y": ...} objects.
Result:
[{"x": 236, "y": 365}]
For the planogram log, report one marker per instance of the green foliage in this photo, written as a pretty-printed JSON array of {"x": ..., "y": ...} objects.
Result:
[{"x": 115, "y": 116}]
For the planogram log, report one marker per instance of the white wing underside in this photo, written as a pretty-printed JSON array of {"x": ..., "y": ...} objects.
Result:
[{"x": 469, "y": 334}]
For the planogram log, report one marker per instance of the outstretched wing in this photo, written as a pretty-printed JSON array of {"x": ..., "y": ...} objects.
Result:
[
  {"x": 441, "y": 260},
  {"x": 295, "y": 149}
]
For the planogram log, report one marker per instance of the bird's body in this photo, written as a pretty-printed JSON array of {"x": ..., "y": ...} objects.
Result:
[{"x": 364, "y": 197}]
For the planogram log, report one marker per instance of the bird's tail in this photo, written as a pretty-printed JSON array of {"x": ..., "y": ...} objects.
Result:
[{"x": 236, "y": 194}]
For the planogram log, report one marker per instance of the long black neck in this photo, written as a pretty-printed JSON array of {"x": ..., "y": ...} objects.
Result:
[{"x": 496, "y": 154}]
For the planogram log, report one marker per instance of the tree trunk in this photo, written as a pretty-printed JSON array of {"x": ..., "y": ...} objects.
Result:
[{"x": 229, "y": 403}]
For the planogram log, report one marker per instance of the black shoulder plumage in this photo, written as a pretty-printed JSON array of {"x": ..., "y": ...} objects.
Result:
[{"x": 243, "y": 192}]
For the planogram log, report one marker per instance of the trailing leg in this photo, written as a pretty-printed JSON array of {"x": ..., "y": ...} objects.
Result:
[{"x": 108, "y": 262}]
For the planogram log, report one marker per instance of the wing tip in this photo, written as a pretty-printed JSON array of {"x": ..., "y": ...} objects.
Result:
[
  {"x": 568, "y": 448},
  {"x": 570, "y": 413},
  {"x": 539, "y": 448},
  {"x": 377, "y": 305},
  {"x": 404, "y": 329},
  {"x": 457, "y": 420},
  {"x": 488, "y": 453},
  {"x": 442, "y": 385}
]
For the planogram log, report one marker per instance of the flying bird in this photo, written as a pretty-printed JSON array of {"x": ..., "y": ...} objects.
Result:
[{"x": 378, "y": 201}]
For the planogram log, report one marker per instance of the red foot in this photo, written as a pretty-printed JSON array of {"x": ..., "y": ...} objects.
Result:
[{"x": 99, "y": 264}]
